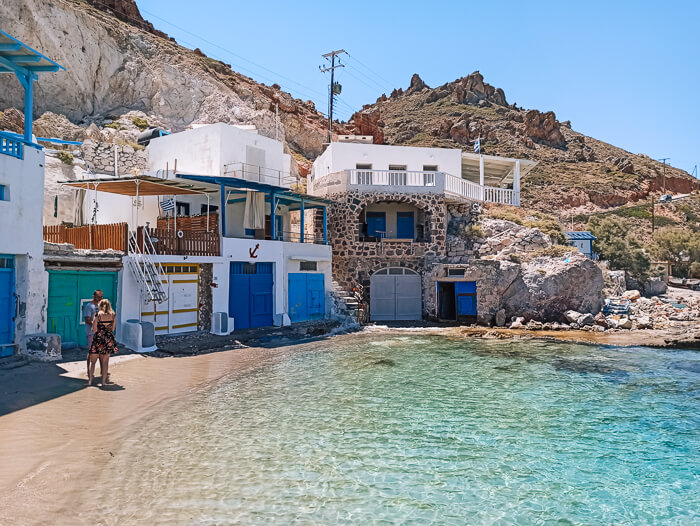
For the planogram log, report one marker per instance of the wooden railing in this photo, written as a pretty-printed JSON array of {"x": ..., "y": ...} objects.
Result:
[
  {"x": 97, "y": 237},
  {"x": 190, "y": 223},
  {"x": 167, "y": 242}
]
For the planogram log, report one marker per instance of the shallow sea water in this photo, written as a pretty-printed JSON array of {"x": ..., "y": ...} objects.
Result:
[{"x": 414, "y": 429}]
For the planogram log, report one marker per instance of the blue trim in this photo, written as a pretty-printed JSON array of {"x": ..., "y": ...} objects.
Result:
[
  {"x": 273, "y": 216},
  {"x": 223, "y": 210},
  {"x": 301, "y": 223}
]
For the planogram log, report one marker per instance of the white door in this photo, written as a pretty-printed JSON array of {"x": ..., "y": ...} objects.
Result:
[
  {"x": 180, "y": 312},
  {"x": 395, "y": 294}
]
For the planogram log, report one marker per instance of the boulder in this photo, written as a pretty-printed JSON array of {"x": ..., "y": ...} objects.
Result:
[
  {"x": 518, "y": 323},
  {"x": 600, "y": 320},
  {"x": 585, "y": 319},
  {"x": 624, "y": 323},
  {"x": 544, "y": 128},
  {"x": 533, "y": 325},
  {"x": 632, "y": 295},
  {"x": 501, "y": 318},
  {"x": 572, "y": 316},
  {"x": 644, "y": 322}
]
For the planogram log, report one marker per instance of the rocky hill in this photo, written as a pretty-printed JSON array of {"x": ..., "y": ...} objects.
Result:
[{"x": 576, "y": 173}]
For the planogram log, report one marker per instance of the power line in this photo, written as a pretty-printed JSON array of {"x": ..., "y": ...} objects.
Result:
[
  {"x": 388, "y": 82},
  {"x": 382, "y": 87}
]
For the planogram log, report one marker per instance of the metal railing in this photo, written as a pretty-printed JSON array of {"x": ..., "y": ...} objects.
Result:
[
  {"x": 295, "y": 237},
  {"x": 148, "y": 274},
  {"x": 259, "y": 174},
  {"x": 391, "y": 178}
]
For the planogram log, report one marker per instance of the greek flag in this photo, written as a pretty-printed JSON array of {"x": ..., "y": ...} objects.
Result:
[
  {"x": 477, "y": 145},
  {"x": 167, "y": 204}
]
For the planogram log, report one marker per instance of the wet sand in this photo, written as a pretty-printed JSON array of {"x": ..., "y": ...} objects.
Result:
[{"x": 50, "y": 451}]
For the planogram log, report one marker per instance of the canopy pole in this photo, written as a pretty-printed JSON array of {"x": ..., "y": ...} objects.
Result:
[
  {"x": 223, "y": 210},
  {"x": 207, "y": 213},
  {"x": 138, "y": 182},
  {"x": 175, "y": 215}
]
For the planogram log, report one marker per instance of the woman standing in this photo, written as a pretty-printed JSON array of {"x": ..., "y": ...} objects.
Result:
[{"x": 103, "y": 343}]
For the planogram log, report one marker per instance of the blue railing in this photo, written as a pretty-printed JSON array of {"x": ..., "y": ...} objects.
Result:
[{"x": 13, "y": 144}]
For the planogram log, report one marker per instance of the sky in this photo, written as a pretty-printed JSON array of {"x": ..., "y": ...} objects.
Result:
[{"x": 627, "y": 73}]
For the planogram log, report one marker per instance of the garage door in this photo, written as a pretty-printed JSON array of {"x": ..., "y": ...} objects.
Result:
[
  {"x": 306, "y": 296},
  {"x": 7, "y": 303},
  {"x": 250, "y": 294},
  {"x": 69, "y": 291},
  {"x": 395, "y": 294},
  {"x": 180, "y": 313}
]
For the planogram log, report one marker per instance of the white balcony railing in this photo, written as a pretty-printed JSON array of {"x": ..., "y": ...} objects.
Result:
[
  {"x": 431, "y": 182},
  {"x": 259, "y": 174},
  {"x": 391, "y": 178}
]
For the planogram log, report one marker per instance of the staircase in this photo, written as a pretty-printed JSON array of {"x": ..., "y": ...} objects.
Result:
[
  {"x": 149, "y": 275},
  {"x": 344, "y": 302}
]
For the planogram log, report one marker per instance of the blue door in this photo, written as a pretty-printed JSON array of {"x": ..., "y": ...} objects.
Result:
[
  {"x": 7, "y": 303},
  {"x": 306, "y": 297},
  {"x": 405, "y": 225},
  {"x": 376, "y": 224},
  {"x": 465, "y": 295},
  {"x": 250, "y": 294}
]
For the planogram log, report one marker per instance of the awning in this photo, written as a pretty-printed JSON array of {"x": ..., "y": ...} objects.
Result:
[
  {"x": 18, "y": 57},
  {"x": 142, "y": 185}
]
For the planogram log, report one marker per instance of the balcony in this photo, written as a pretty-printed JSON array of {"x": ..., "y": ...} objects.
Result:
[
  {"x": 455, "y": 189},
  {"x": 13, "y": 144}
]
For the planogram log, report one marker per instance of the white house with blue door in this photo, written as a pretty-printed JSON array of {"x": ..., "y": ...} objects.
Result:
[
  {"x": 216, "y": 228},
  {"x": 23, "y": 280}
]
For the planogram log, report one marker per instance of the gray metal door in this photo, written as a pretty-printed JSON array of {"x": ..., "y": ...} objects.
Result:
[{"x": 395, "y": 294}]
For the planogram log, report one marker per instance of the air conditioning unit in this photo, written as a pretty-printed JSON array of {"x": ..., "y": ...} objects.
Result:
[
  {"x": 139, "y": 336},
  {"x": 221, "y": 324}
]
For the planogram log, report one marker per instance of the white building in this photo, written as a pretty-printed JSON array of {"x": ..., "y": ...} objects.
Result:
[
  {"x": 459, "y": 176},
  {"x": 23, "y": 281},
  {"x": 216, "y": 219}
]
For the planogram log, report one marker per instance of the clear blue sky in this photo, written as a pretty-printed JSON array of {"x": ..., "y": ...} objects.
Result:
[{"x": 627, "y": 73}]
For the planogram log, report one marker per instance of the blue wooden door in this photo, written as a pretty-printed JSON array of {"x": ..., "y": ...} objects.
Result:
[
  {"x": 250, "y": 294},
  {"x": 260, "y": 300},
  {"x": 7, "y": 303},
  {"x": 239, "y": 300},
  {"x": 376, "y": 224},
  {"x": 306, "y": 297},
  {"x": 465, "y": 296},
  {"x": 405, "y": 225}
]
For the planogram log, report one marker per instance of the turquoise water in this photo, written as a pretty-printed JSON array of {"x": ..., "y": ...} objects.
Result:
[{"x": 410, "y": 429}]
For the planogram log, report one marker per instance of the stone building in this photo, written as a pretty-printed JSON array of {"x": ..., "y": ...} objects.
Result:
[{"x": 392, "y": 208}]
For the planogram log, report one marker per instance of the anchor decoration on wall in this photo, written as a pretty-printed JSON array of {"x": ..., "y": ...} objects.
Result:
[{"x": 253, "y": 251}]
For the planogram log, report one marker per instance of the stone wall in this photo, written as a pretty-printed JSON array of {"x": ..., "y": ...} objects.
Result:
[
  {"x": 100, "y": 157},
  {"x": 354, "y": 261},
  {"x": 206, "y": 304}
]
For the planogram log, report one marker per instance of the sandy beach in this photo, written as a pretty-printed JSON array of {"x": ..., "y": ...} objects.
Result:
[{"x": 52, "y": 450}]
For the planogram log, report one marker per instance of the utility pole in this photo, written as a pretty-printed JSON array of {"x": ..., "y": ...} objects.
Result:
[
  {"x": 664, "y": 161},
  {"x": 333, "y": 90}
]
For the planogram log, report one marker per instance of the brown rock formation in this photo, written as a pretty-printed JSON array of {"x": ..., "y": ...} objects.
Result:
[
  {"x": 127, "y": 11},
  {"x": 368, "y": 122},
  {"x": 12, "y": 120},
  {"x": 543, "y": 128}
]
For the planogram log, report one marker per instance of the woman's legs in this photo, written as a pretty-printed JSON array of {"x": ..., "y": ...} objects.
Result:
[
  {"x": 92, "y": 360},
  {"x": 104, "y": 366}
]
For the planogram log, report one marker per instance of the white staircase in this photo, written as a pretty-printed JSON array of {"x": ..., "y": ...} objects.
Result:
[
  {"x": 345, "y": 303},
  {"x": 149, "y": 275}
]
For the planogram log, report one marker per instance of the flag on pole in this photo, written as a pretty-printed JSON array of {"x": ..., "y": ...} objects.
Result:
[
  {"x": 167, "y": 204},
  {"x": 477, "y": 145}
]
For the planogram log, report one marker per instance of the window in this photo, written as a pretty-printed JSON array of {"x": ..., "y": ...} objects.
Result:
[
  {"x": 398, "y": 178},
  {"x": 455, "y": 272},
  {"x": 364, "y": 173},
  {"x": 361, "y": 166},
  {"x": 7, "y": 261},
  {"x": 376, "y": 224},
  {"x": 397, "y": 167},
  {"x": 250, "y": 232},
  {"x": 212, "y": 209},
  {"x": 308, "y": 265},
  {"x": 4, "y": 193},
  {"x": 430, "y": 167},
  {"x": 183, "y": 209}
]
